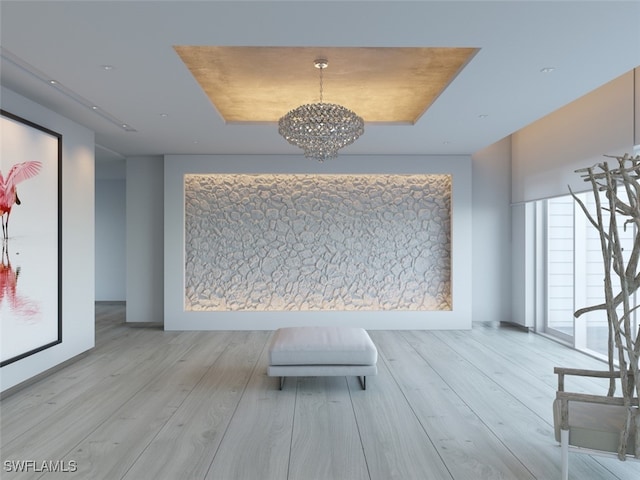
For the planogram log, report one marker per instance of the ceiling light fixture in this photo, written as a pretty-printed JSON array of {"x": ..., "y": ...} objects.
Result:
[{"x": 321, "y": 129}]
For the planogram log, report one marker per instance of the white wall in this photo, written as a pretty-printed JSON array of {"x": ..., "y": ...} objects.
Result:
[
  {"x": 523, "y": 265},
  {"x": 636, "y": 108},
  {"x": 545, "y": 156},
  {"x": 176, "y": 166},
  {"x": 110, "y": 240},
  {"x": 78, "y": 247},
  {"x": 145, "y": 241},
  {"x": 547, "y": 152},
  {"x": 491, "y": 266}
]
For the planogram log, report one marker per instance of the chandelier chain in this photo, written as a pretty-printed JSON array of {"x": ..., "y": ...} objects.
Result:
[{"x": 321, "y": 83}]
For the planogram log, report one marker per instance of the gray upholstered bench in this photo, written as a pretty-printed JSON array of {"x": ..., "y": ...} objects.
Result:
[{"x": 321, "y": 352}]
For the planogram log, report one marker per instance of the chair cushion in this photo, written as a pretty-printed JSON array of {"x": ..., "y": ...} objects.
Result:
[
  {"x": 322, "y": 346},
  {"x": 594, "y": 426}
]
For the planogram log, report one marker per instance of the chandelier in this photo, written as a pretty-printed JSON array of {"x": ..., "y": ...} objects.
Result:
[{"x": 321, "y": 129}]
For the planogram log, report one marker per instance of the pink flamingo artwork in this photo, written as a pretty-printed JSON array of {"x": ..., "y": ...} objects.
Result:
[
  {"x": 8, "y": 193},
  {"x": 21, "y": 305}
]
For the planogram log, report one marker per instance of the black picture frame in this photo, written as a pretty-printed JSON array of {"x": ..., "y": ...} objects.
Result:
[{"x": 32, "y": 306}]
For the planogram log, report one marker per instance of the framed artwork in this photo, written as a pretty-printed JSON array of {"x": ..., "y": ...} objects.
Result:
[{"x": 31, "y": 267}]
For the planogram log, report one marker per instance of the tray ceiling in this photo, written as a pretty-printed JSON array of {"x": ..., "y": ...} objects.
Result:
[{"x": 261, "y": 84}]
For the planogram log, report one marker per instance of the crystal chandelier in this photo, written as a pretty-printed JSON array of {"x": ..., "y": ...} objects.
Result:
[{"x": 321, "y": 129}]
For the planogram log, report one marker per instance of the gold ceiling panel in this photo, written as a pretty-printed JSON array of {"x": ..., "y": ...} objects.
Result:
[{"x": 381, "y": 84}]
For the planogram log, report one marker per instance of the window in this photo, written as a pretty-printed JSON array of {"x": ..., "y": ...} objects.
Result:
[
  {"x": 560, "y": 266},
  {"x": 570, "y": 260}
]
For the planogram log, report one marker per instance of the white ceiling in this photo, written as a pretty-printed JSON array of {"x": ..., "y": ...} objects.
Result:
[{"x": 501, "y": 90}]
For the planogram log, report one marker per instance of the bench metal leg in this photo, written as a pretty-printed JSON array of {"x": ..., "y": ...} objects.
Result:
[
  {"x": 363, "y": 382},
  {"x": 281, "y": 382}
]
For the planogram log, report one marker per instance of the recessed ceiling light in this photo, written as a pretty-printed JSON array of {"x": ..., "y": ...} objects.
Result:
[
  {"x": 484, "y": 115},
  {"x": 107, "y": 67},
  {"x": 43, "y": 77},
  {"x": 547, "y": 70},
  {"x": 164, "y": 115}
]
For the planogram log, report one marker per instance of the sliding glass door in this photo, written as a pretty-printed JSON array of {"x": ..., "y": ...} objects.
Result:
[
  {"x": 572, "y": 266},
  {"x": 560, "y": 266}
]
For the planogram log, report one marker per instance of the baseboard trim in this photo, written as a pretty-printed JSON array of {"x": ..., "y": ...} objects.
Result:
[
  {"x": 516, "y": 326},
  {"x": 145, "y": 325},
  {"x": 30, "y": 381}
]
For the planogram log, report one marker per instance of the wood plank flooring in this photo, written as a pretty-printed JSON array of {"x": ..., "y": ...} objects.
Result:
[{"x": 149, "y": 404}]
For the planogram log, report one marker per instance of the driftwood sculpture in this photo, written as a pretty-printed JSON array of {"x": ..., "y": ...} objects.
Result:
[{"x": 616, "y": 190}]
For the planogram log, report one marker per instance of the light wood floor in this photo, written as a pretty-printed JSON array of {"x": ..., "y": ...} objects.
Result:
[{"x": 149, "y": 404}]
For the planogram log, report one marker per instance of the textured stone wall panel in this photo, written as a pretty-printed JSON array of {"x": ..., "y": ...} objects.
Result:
[{"x": 317, "y": 242}]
